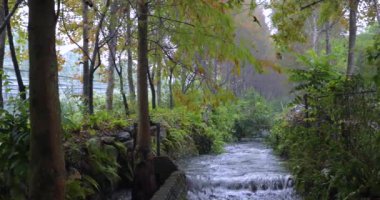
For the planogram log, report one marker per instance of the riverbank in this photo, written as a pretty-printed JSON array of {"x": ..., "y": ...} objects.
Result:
[{"x": 99, "y": 148}]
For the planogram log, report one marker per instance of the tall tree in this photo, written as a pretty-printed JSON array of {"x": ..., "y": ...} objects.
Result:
[
  {"x": 2, "y": 49},
  {"x": 20, "y": 83},
  {"x": 171, "y": 97},
  {"x": 144, "y": 177},
  {"x": 315, "y": 31},
  {"x": 119, "y": 71},
  {"x": 143, "y": 139},
  {"x": 129, "y": 52},
  {"x": 377, "y": 10},
  {"x": 151, "y": 85},
  {"x": 86, "y": 52},
  {"x": 95, "y": 57},
  {"x": 47, "y": 166},
  {"x": 91, "y": 60},
  {"x": 112, "y": 44},
  {"x": 327, "y": 38},
  {"x": 353, "y": 7},
  {"x": 159, "y": 82}
]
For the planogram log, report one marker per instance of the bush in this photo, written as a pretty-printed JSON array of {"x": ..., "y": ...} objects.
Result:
[
  {"x": 255, "y": 116},
  {"x": 14, "y": 150},
  {"x": 333, "y": 153},
  {"x": 189, "y": 132}
]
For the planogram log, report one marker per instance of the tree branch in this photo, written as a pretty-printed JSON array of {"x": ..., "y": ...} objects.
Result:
[
  {"x": 311, "y": 4},
  {"x": 72, "y": 39},
  {"x": 8, "y": 17}
]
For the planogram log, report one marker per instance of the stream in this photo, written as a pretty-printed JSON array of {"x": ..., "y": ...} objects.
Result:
[{"x": 245, "y": 171}]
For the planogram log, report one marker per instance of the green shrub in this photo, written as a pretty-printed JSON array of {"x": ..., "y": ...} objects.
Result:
[
  {"x": 186, "y": 129},
  {"x": 255, "y": 116},
  {"x": 80, "y": 188},
  {"x": 14, "y": 150},
  {"x": 333, "y": 154},
  {"x": 103, "y": 162}
]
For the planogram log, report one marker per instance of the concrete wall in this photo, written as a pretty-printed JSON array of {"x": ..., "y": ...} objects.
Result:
[{"x": 174, "y": 188}]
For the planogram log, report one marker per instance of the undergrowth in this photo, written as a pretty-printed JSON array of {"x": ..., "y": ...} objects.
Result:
[{"x": 332, "y": 142}]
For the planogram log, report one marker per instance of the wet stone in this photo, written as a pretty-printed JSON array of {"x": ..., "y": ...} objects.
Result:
[
  {"x": 107, "y": 139},
  {"x": 123, "y": 136}
]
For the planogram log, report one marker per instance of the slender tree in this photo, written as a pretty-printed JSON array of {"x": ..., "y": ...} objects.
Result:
[
  {"x": 143, "y": 140},
  {"x": 85, "y": 49},
  {"x": 95, "y": 58},
  {"x": 327, "y": 38},
  {"x": 353, "y": 6},
  {"x": 159, "y": 82},
  {"x": 171, "y": 98},
  {"x": 129, "y": 52},
  {"x": 315, "y": 31},
  {"x": 20, "y": 83},
  {"x": 144, "y": 177},
  {"x": 2, "y": 48},
  {"x": 152, "y": 88},
  {"x": 119, "y": 71},
  {"x": 112, "y": 44},
  {"x": 377, "y": 10},
  {"x": 47, "y": 166}
]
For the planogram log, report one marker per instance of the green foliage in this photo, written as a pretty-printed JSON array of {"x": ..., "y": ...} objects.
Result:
[
  {"x": 333, "y": 152},
  {"x": 254, "y": 116},
  {"x": 71, "y": 115},
  {"x": 104, "y": 120},
  {"x": 79, "y": 188},
  {"x": 209, "y": 126},
  {"x": 315, "y": 73},
  {"x": 373, "y": 56},
  {"x": 73, "y": 120},
  {"x": 190, "y": 131},
  {"x": 103, "y": 160},
  {"x": 209, "y": 32},
  {"x": 14, "y": 150},
  {"x": 96, "y": 166}
]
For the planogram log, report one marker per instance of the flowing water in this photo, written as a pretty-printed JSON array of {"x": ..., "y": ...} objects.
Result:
[{"x": 245, "y": 171}]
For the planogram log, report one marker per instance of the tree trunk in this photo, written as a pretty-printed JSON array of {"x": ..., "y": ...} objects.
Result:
[
  {"x": 159, "y": 63},
  {"x": 171, "y": 99},
  {"x": 152, "y": 89},
  {"x": 159, "y": 83},
  {"x": 327, "y": 39},
  {"x": 110, "y": 82},
  {"x": 352, "y": 37},
  {"x": 2, "y": 49},
  {"x": 315, "y": 31},
  {"x": 111, "y": 56},
  {"x": 20, "y": 83},
  {"x": 47, "y": 166},
  {"x": 377, "y": 10},
  {"x": 122, "y": 92},
  {"x": 121, "y": 82},
  {"x": 183, "y": 79},
  {"x": 143, "y": 140},
  {"x": 129, "y": 52},
  {"x": 95, "y": 59},
  {"x": 86, "y": 65},
  {"x": 90, "y": 96},
  {"x": 215, "y": 71}
]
